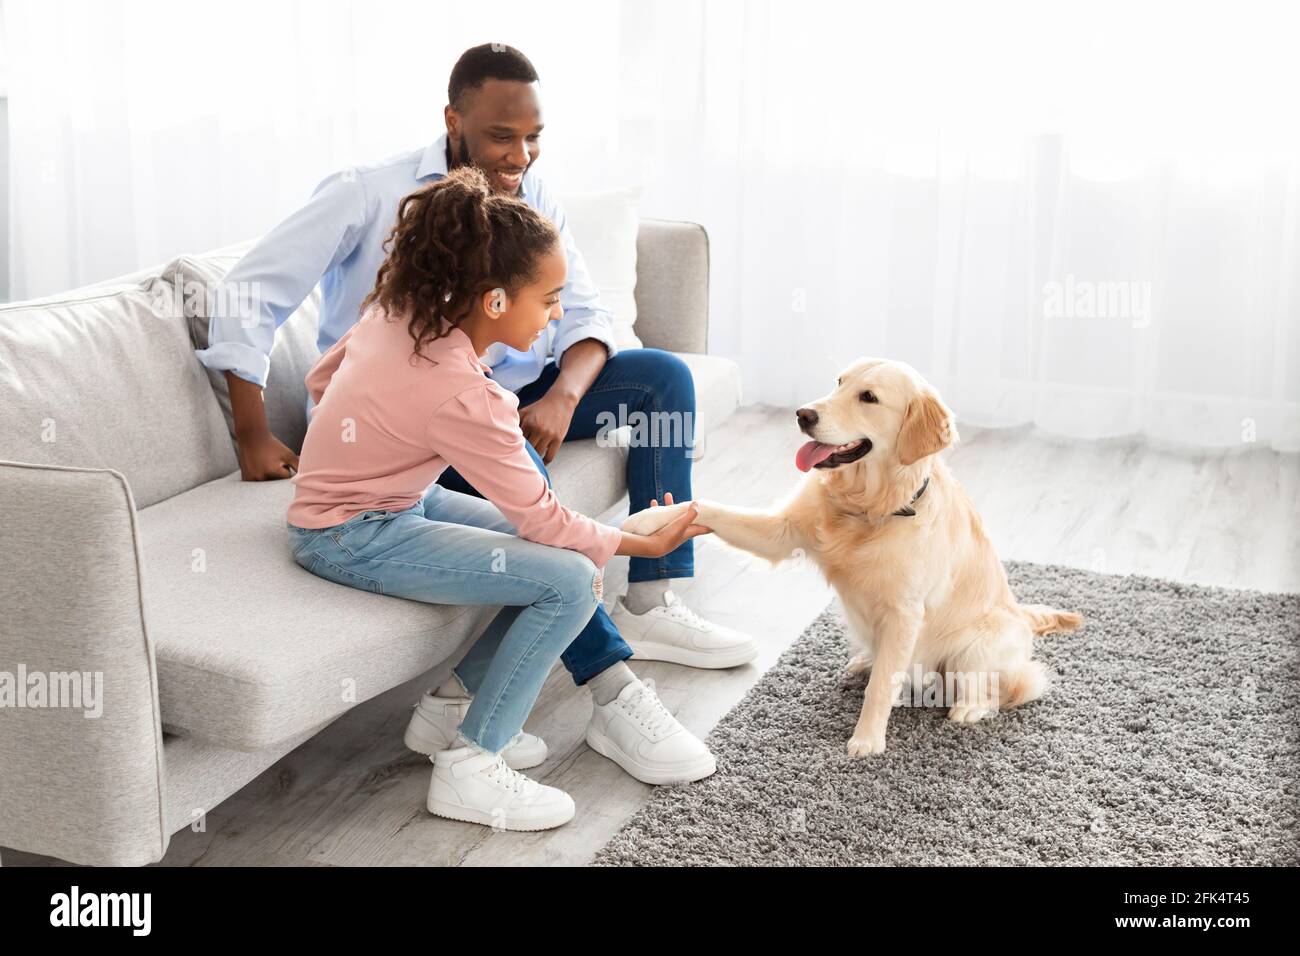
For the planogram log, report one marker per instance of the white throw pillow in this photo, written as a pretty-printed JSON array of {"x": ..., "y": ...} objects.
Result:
[{"x": 605, "y": 226}]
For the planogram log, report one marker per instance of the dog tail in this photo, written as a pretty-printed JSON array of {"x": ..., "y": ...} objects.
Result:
[
  {"x": 1029, "y": 682},
  {"x": 1048, "y": 620}
]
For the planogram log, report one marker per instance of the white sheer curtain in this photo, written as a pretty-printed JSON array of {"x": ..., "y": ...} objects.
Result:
[{"x": 1081, "y": 216}]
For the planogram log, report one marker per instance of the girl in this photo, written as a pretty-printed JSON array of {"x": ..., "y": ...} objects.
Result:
[{"x": 403, "y": 395}]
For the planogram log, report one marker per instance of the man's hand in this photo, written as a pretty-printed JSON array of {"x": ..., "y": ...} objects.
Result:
[
  {"x": 546, "y": 422},
  {"x": 262, "y": 457},
  {"x": 265, "y": 458}
]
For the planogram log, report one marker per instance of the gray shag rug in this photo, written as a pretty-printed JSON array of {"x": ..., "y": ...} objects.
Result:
[{"x": 1171, "y": 736}]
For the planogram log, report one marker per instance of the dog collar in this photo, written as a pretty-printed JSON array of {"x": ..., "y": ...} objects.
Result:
[{"x": 909, "y": 511}]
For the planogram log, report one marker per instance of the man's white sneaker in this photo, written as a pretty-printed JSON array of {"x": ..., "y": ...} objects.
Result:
[
  {"x": 675, "y": 633},
  {"x": 435, "y": 720},
  {"x": 636, "y": 731},
  {"x": 477, "y": 787}
]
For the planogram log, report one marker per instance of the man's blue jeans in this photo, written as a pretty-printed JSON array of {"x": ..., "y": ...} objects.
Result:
[{"x": 636, "y": 386}]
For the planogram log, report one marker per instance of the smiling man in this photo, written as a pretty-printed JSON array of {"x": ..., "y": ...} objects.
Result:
[{"x": 568, "y": 384}]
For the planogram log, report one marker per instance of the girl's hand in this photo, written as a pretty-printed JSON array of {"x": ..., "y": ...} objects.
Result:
[{"x": 668, "y": 538}]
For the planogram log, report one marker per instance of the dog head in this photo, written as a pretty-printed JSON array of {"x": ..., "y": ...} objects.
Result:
[{"x": 881, "y": 417}]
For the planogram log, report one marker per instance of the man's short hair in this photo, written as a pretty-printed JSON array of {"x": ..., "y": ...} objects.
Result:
[{"x": 488, "y": 61}]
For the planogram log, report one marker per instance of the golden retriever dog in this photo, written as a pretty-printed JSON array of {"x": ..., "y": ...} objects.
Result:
[{"x": 894, "y": 533}]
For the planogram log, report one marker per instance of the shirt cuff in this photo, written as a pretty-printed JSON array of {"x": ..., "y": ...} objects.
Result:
[
  {"x": 610, "y": 539},
  {"x": 244, "y": 360},
  {"x": 600, "y": 331}
]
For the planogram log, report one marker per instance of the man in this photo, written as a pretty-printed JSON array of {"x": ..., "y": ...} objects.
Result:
[{"x": 493, "y": 120}]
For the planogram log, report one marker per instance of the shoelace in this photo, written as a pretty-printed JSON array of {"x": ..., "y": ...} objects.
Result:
[
  {"x": 512, "y": 780},
  {"x": 648, "y": 709},
  {"x": 680, "y": 612}
]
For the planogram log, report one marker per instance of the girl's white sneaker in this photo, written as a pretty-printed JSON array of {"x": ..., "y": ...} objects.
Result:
[
  {"x": 477, "y": 787},
  {"x": 435, "y": 720}
]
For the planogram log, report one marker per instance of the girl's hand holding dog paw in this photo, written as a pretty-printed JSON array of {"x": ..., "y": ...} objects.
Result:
[
  {"x": 657, "y": 531},
  {"x": 655, "y": 517}
]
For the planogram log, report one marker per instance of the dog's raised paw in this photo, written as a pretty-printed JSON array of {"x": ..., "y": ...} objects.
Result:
[
  {"x": 650, "y": 520},
  {"x": 862, "y": 746}
]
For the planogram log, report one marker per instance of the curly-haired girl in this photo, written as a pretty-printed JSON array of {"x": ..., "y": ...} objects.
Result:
[{"x": 402, "y": 396}]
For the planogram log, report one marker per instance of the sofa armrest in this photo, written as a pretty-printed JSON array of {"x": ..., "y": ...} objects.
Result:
[
  {"x": 81, "y": 767},
  {"x": 672, "y": 285}
]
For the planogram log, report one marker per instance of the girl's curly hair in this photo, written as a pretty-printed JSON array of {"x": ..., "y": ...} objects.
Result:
[{"x": 454, "y": 240}]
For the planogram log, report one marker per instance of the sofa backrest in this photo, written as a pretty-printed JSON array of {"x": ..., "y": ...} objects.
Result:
[
  {"x": 192, "y": 280},
  {"x": 106, "y": 377}
]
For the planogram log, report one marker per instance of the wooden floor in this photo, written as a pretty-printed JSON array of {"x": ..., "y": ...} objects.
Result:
[{"x": 353, "y": 795}]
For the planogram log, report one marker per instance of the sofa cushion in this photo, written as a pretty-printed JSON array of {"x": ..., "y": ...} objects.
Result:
[
  {"x": 252, "y": 649},
  {"x": 193, "y": 280},
  {"x": 105, "y": 377},
  {"x": 717, "y": 390}
]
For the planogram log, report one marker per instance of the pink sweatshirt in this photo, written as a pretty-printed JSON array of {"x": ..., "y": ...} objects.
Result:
[{"x": 386, "y": 425}]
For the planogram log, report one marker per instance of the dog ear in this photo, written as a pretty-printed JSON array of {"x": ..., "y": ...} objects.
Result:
[{"x": 928, "y": 428}]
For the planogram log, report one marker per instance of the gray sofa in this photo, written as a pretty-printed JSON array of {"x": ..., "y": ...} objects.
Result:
[{"x": 129, "y": 548}]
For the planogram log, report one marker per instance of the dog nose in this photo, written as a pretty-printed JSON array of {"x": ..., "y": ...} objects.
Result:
[{"x": 807, "y": 418}]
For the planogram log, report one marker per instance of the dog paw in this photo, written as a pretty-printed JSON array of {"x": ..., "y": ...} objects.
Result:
[
  {"x": 968, "y": 713},
  {"x": 651, "y": 520},
  {"x": 859, "y": 664},
  {"x": 861, "y": 746}
]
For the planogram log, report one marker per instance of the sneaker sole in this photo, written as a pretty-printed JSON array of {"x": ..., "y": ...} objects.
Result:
[
  {"x": 649, "y": 651},
  {"x": 469, "y": 815},
  {"x": 430, "y": 744},
  {"x": 606, "y": 748}
]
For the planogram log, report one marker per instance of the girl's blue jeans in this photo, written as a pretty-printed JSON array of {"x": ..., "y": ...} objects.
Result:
[{"x": 453, "y": 548}]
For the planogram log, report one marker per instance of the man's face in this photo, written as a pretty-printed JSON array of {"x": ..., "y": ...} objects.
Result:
[{"x": 499, "y": 132}]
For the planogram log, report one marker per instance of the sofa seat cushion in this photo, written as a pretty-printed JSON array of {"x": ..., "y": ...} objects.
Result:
[
  {"x": 717, "y": 389},
  {"x": 253, "y": 649}
]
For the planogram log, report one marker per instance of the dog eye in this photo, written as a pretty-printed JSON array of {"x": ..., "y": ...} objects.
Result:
[{"x": 869, "y": 397}]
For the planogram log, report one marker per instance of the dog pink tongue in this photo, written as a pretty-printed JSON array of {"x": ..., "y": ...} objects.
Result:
[{"x": 811, "y": 454}]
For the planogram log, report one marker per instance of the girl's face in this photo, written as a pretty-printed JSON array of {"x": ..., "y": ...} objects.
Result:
[{"x": 534, "y": 306}]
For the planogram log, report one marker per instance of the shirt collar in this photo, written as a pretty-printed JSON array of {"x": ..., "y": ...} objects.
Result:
[
  {"x": 458, "y": 340},
  {"x": 434, "y": 161},
  {"x": 433, "y": 164}
]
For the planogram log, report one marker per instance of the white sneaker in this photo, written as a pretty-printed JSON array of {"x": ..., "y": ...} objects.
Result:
[
  {"x": 478, "y": 787},
  {"x": 676, "y": 634},
  {"x": 435, "y": 720},
  {"x": 636, "y": 731}
]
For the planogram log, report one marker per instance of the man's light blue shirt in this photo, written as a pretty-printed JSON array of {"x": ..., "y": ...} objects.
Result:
[{"x": 337, "y": 240}]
